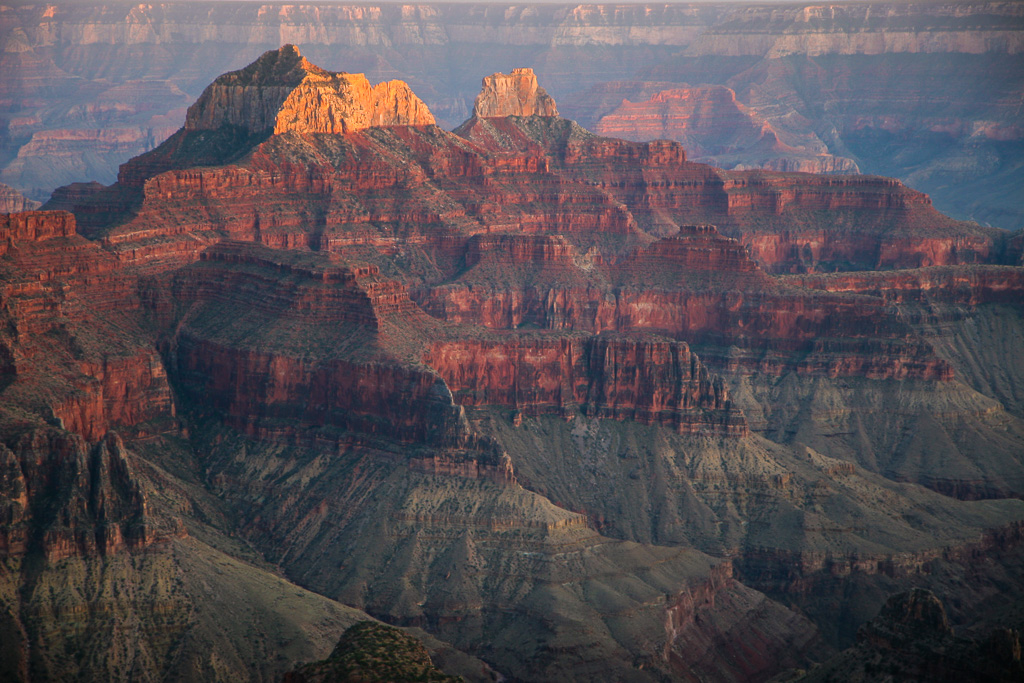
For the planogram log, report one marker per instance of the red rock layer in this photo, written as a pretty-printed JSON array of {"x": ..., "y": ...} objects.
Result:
[
  {"x": 706, "y": 120},
  {"x": 695, "y": 248},
  {"x": 66, "y": 499},
  {"x": 299, "y": 380},
  {"x": 514, "y": 94},
  {"x": 520, "y": 174},
  {"x": 544, "y": 250},
  {"x": 872, "y": 222},
  {"x": 272, "y": 395},
  {"x": 277, "y": 344},
  {"x": 970, "y": 285},
  {"x": 696, "y": 286},
  {"x": 649, "y": 381},
  {"x": 281, "y": 92},
  {"x": 768, "y": 332},
  {"x": 70, "y": 346}
]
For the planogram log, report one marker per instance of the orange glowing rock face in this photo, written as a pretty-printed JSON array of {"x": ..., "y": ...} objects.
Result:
[
  {"x": 282, "y": 92},
  {"x": 514, "y": 94}
]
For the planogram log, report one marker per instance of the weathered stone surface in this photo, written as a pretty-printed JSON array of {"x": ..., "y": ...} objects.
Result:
[
  {"x": 454, "y": 380},
  {"x": 714, "y": 128},
  {"x": 514, "y": 94},
  {"x": 911, "y": 640},
  {"x": 281, "y": 92},
  {"x": 11, "y": 201}
]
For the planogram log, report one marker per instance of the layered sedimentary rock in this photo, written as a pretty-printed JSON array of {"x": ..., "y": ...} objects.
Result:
[
  {"x": 68, "y": 307},
  {"x": 101, "y": 576},
  {"x": 971, "y": 285},
  {"x": 467, "y": 382},
  {"x": 911, "y": 639},
  {"x": 100, "y": 509},
  {"x": 696, "y": 285},
  {"x": 283, "y": 92},
  {"x": 514, "y": 94},
  {"x": 440, "y": 525},
  {"x": 714, "y": 127},
  {"x": 11, "y": 201},
  {"x": 854, "y": 82},
  {"x": 650, "y": 381}
]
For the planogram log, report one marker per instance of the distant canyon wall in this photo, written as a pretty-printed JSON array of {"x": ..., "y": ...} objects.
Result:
[{"x": 924, "y": 92}]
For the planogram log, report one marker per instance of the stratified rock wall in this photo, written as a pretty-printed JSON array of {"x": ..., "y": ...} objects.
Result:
[
  {"x": 11, "y": 201},
  {"x": 281, "y": 92},
  {"x": 652, "y": 382},
  {"x": 514, "y": 94}
]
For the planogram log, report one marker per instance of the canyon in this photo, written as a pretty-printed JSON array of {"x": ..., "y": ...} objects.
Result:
[
  {"x": 925, "y": 92},
  {"x": 560, "y": 406}
]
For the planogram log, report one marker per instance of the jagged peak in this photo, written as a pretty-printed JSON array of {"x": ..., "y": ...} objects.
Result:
[
  {"x": 514, "y": 94},
  {"x": 282, "y": 91},
  {"x": 284, "y": 66}
]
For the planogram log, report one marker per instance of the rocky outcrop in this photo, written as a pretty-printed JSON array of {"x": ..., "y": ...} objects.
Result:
[
  {"x": 67, "y": 306},
  {"x": 695, "y": 648},
  {"x": 970, "y": 285},
  {"x": 861, "y": 83},
  {"x": 370, "y": 651},
  {"x": 514, "y": 94},
  {"x": 911, "y": 640},
  {"x": 689, "y": 115},
  {"x": 281, "y": 92},
  {"x": 63, "y": 498},
  {"x": 298, "y": 378},
  {"x": 698, "y": 286},
  {"x": 714, "y": 128},
  {"x": 610, "y": 376},
  {"x": 12, "y": 201},
  {"x": 32, "y": 227}
]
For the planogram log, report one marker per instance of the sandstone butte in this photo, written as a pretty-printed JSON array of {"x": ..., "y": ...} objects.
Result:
[
  {"x": 431, "y": 373},
  {"x": 514, "y": 94},
  {"x": 281, "y": 91}
]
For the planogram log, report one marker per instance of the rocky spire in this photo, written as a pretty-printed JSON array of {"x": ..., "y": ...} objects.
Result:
[
  {"x": 282, "y": 91},
  {"x": 514, "y": 94}
]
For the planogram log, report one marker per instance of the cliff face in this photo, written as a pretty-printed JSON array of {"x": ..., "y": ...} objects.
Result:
[
  {"x": 711, "y": 124},
  {"x": 507, "y": 384},
  {"x": 842, "y": 86},
  {"x": 514, "y": 94},
  {"x": 651, "y": 382},
  {"x": 281, "y": 91},
  {"x": 11, "y": 201},
  {"x": 911, "y": 638},
  {"x": 67, "y": 306}
]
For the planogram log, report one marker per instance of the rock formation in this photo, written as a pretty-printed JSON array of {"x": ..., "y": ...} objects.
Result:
[
  {"x": 843, "y": 87},
  {"x": 281, "y": 92},
  {"x": 582, "y": 407},
  {"x": 370, "y": 651},
  {"x": 12, "y": 201},
  {"x": 712, "y": 125},
  {"x": 514, "y": 94},
  {"x": 911, "y": 640}
]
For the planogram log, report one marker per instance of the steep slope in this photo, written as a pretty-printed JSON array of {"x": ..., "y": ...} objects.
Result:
[
  {"x": 911, "y": 640},
  {"x": 926, "y": 93},
  {"x": 508, "y": 385},
  {"x": 372, "y": 652},
  {"x": 114, "y": 567},
  {"x": 711, "y": 124}
]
